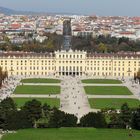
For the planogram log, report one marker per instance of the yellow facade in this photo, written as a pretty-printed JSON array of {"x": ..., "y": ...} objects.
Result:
[{"x": 70, "y": 63}]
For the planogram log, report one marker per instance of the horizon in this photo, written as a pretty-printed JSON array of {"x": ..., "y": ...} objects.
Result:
[{"x": 89, "y": 7}]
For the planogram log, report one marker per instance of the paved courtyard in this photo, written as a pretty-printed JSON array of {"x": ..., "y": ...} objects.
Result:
[{"x": 73, "y": 98}]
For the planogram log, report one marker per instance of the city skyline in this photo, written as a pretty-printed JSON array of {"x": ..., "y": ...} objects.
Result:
[{"x": 89, "y": 7}]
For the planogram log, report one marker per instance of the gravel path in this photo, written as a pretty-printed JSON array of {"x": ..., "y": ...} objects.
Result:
[
  {"x": 73, "y": 98},
  {"x": 34, "y": 96}
]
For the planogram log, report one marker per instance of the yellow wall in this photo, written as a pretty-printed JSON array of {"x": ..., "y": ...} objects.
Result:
[{"x": 71, "y": 62}]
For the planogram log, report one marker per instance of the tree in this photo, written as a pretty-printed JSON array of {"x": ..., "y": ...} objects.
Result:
[
  {"x": 2, "y": 117},
  {"x": 93, "y": 119},
  {"x": 114, "y": 119},
  {"x": 7, "y": 107},
  {"x": 102, "y": 48},
  {"x": 61, "y": 119},
  {"x": 16, "y": 120},
  {"x": 136, "y": 119},
  {"x": 33, "y": 110},
  {"x": 46, "y": 110},
  {"x": 8, "y": 104},
  {"x": 56, "y": 118},
  {"x": 50, "y": 45},
  {"x": 125, "y": 116},
  {"x": 70, "y": 120}
]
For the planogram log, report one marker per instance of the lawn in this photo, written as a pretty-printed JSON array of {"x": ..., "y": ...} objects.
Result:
[
  {"x": 53, "y": 102},
  {"x": 72, "y": 134},
  {"x": 40, "y": 80},
  {"x": 28, "y": 89},
  {"x": 100, "y": 103},
  {"x": 101, "y": 81},
  {"x": 107, "y": 90}
]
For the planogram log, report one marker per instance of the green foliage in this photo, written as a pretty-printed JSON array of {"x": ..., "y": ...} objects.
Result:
[
  {"x": 136, "y": 119},
  {"x": 33, "y": 110},
  {"x": 125, "y": 115},
  {"x": 8, "y": 104},
  {"x": 92, "y": 119},
  {"x": 102, "y": 48},
  {"x": 54, "y": 42},
  {"x": 61, "y": 119}
]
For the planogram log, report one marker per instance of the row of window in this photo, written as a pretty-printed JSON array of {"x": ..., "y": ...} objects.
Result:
[
  {"x": 30, "y": 73},
  {"x": 63, "y": 68},
  {"x": 70, "y": 56},
  {"x": 30, "y": 68},
  {"x": 110, "y": 74}
]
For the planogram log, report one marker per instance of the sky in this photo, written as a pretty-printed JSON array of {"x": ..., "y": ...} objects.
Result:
[{"x": 88, "y": 7}]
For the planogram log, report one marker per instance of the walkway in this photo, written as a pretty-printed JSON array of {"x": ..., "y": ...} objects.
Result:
[
  {"x": 34, "y": 96},
  {"x": 133, "y": 87},
  {"x": 73, "y": 98},
  {"x": 42, "y": 84}
]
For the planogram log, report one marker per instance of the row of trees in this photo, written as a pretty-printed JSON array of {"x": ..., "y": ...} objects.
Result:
[
  {"x": 35, "y": 115},
  {"x": 3, "y": 76},
  {"x": 98, "y": 44},
  {"x": 110, "y": 118}
]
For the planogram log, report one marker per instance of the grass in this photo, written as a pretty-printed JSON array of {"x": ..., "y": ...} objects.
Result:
[
  {"x": 100, "y": 103},
  {"x": 40, "y": 80},
  {"x": 28, "y": 89},
  {"x": 53, "y": 102},
  {"x": 72, "y": 134},
  {"x": 101, "y": 81},
  {"x": 107, "y": 90}
]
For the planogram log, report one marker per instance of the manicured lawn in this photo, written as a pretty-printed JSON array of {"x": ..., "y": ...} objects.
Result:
[
  {"x": 107, "y": 90},
  {"x": 40, "y": 80},
  {"x": 101, "y": 81},
  {"x": 72, "y": 134},
  {"x": 50, "y": 101},
  {"x": 27, "y": 89},
  {"x": 100, "y": 103}
]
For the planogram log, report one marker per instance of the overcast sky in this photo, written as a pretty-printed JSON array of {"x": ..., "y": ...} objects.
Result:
[{"x": 92, "y": 7}]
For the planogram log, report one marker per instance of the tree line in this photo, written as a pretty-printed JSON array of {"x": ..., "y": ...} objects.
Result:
[
  {"x": 33, "y": 114},
  {"x": 55, "y": 42}
]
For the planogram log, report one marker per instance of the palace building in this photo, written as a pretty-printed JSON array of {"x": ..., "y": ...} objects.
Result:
[
  {"x": 69, "y": 62},
  {"x": 76, "y": 63}
]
